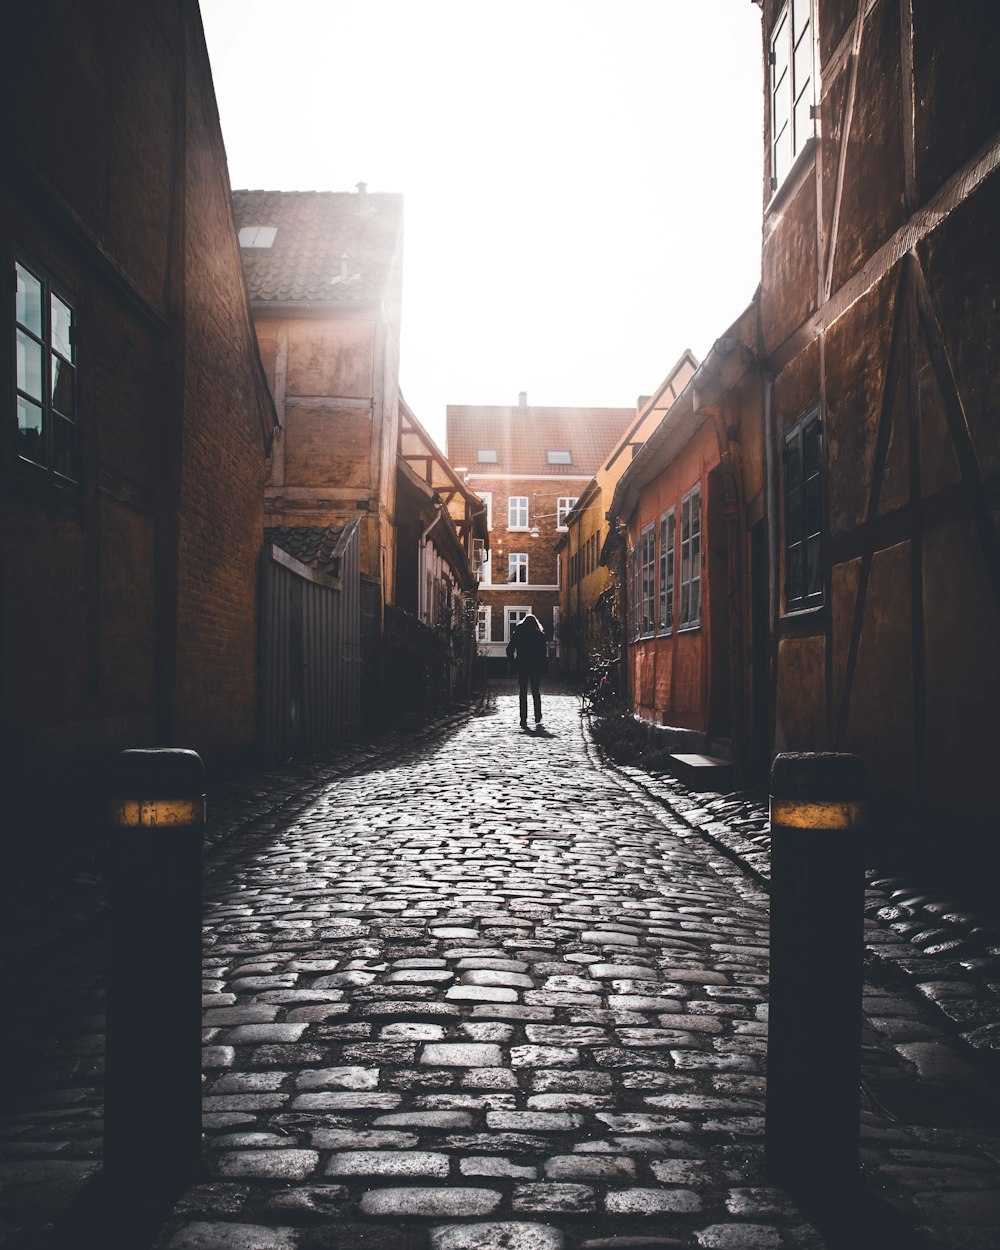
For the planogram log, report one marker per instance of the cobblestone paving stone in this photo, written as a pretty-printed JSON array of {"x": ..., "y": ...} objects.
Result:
[{"x": 483, "y": 991}]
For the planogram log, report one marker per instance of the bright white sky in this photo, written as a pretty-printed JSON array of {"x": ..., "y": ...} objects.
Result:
[{"x": 582, "y": 178}]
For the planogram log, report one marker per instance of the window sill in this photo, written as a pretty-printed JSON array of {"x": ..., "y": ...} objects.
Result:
[
  {"x": 689, "y": 629},
  {"x": 518, "y": 529},
  {"x": 802, "y": 614},
  {"x": 790, "y": 183}
]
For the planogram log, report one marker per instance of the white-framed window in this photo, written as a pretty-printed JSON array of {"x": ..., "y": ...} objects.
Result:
[
  {"x": 690, "y": 607},
  {"x": 668, "y": 533},
  {"x": 793, "y": 86},
  {"x": 512, "y": 617},
  {"x": 517, "y": 566},
  {"x": 517, "y": 512},
  {"x": 487, "y": 497},
  {"x": 558, "y": 457},
  {"x": 647, "y": 580},
  {"x": 486, "y": 570},
  {"x": 564, "y": 506},
  {"x": 257, "y": 236},
  {"x": 45, "y": 417},
  {"x": 484, "y": 622},
  {"x": 486, "y": 455}
]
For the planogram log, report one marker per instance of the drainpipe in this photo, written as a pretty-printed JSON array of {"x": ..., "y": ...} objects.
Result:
[{"x": 422, "y": 567}]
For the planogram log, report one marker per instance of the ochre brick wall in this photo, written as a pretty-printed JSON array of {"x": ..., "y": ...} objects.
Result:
[{"x": 128, "y": 602}]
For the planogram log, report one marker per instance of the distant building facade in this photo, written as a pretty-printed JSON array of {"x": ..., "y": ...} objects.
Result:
[{"x": 529, "y": 465}]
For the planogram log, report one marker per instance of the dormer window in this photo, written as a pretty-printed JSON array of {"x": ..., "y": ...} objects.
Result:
[
  {"x": 558, "y": 457},
  {"x": 486, "y": 455},
  {"x": 257, "y": 236}
]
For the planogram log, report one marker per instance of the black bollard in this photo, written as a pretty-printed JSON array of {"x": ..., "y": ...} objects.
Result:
[
  {"x": 152, "y": 1110},
  {"x": 812, "y": 1139}
]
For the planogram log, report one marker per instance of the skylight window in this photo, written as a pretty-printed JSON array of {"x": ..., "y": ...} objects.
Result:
[
  {"x": 257, "y": 236},
  {"x": 486, "y": 455},
  {"x": 558, "y": 457}
]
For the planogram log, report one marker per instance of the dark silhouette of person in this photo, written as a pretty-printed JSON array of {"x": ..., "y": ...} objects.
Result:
[{"x": 529, "y": 649}]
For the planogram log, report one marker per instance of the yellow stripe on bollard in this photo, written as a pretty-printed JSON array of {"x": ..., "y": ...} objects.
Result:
[
  {"x": 157, "y": 813},
  {"x": 802, "y": 814}
]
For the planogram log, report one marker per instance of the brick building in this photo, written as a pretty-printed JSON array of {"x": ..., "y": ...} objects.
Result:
[
  {"x": 686, "y": 506},
  {"x": 529, "y": 465},
  {"x": 324, "y": 274},
  {"x": 133, "y": 453}
]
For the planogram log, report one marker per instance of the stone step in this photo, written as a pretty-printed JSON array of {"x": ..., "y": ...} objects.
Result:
[{"x": 703, "y": 772}]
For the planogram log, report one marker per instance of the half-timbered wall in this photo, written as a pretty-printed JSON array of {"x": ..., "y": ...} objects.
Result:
[{"x": 880, "y": 306}]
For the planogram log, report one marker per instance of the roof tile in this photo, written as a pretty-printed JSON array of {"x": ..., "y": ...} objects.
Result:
[{"x": 522, "y": 436}]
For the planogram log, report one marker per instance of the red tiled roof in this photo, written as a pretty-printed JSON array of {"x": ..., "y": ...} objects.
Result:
[
  {"x": 306, "y": 263},
  {"x": 522, "y": 436}
]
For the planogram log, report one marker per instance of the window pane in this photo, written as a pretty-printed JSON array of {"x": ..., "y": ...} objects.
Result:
[
  {"x": 29, "y": 301},
  {"x": 795, "y": 581},
  {"x": 804, "y": 124},
  {"x": 696, "y": 514},
  {"x": 62, "y": 386},
  {"x": 29, "y": 366},
  {"x": 814, "y": 507},
  {"x": 695, "y": 601},
  {"x": 800, "y": 17},
  {"x": 780, "y": 48},
  {"x": 810, "y": 448},
  {"x": 794, "y": 520},
  {"x": 30, "y": 443},
  {"x": 64, "y": 447},
  {"x": 783, "y": 153},
  {"x": 62, "y": 320},
  {"x": 793, "y": 463},
  {"x": 814, "y": 572}
]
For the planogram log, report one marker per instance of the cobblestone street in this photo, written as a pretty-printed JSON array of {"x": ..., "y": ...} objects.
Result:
[
  {"x": 483, "y": 998},
  {"x": 484, "y": 991}
]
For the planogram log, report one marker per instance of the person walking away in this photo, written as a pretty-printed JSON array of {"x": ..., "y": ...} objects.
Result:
[{"x": 529, "y": 649}]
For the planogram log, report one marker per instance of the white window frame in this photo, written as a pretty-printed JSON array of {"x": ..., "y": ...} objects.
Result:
[
  {"x": 647, "y": 580},
  {"x": 689, "y": 613},
  {"x": 517, "y": 560},
  {"x": 667, "y": 562},
  {"x": 510, "y": 609},
  {"x": 486, "y": 455},
  {"x": 560, "y": 456},
  {"x": 484, "y": 623},
  {"x": 564, "y": 506},
  {"x": 517, "y": 508},
  {"x": 792, "y": 84},
  {"x": 487, "y": 497},
  {"x": 486, "y": 570}
]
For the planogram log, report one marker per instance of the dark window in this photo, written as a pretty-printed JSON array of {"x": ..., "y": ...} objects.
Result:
[
  {"x": 804, "y": 514},
  {"x": 45, "y": 381}
]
